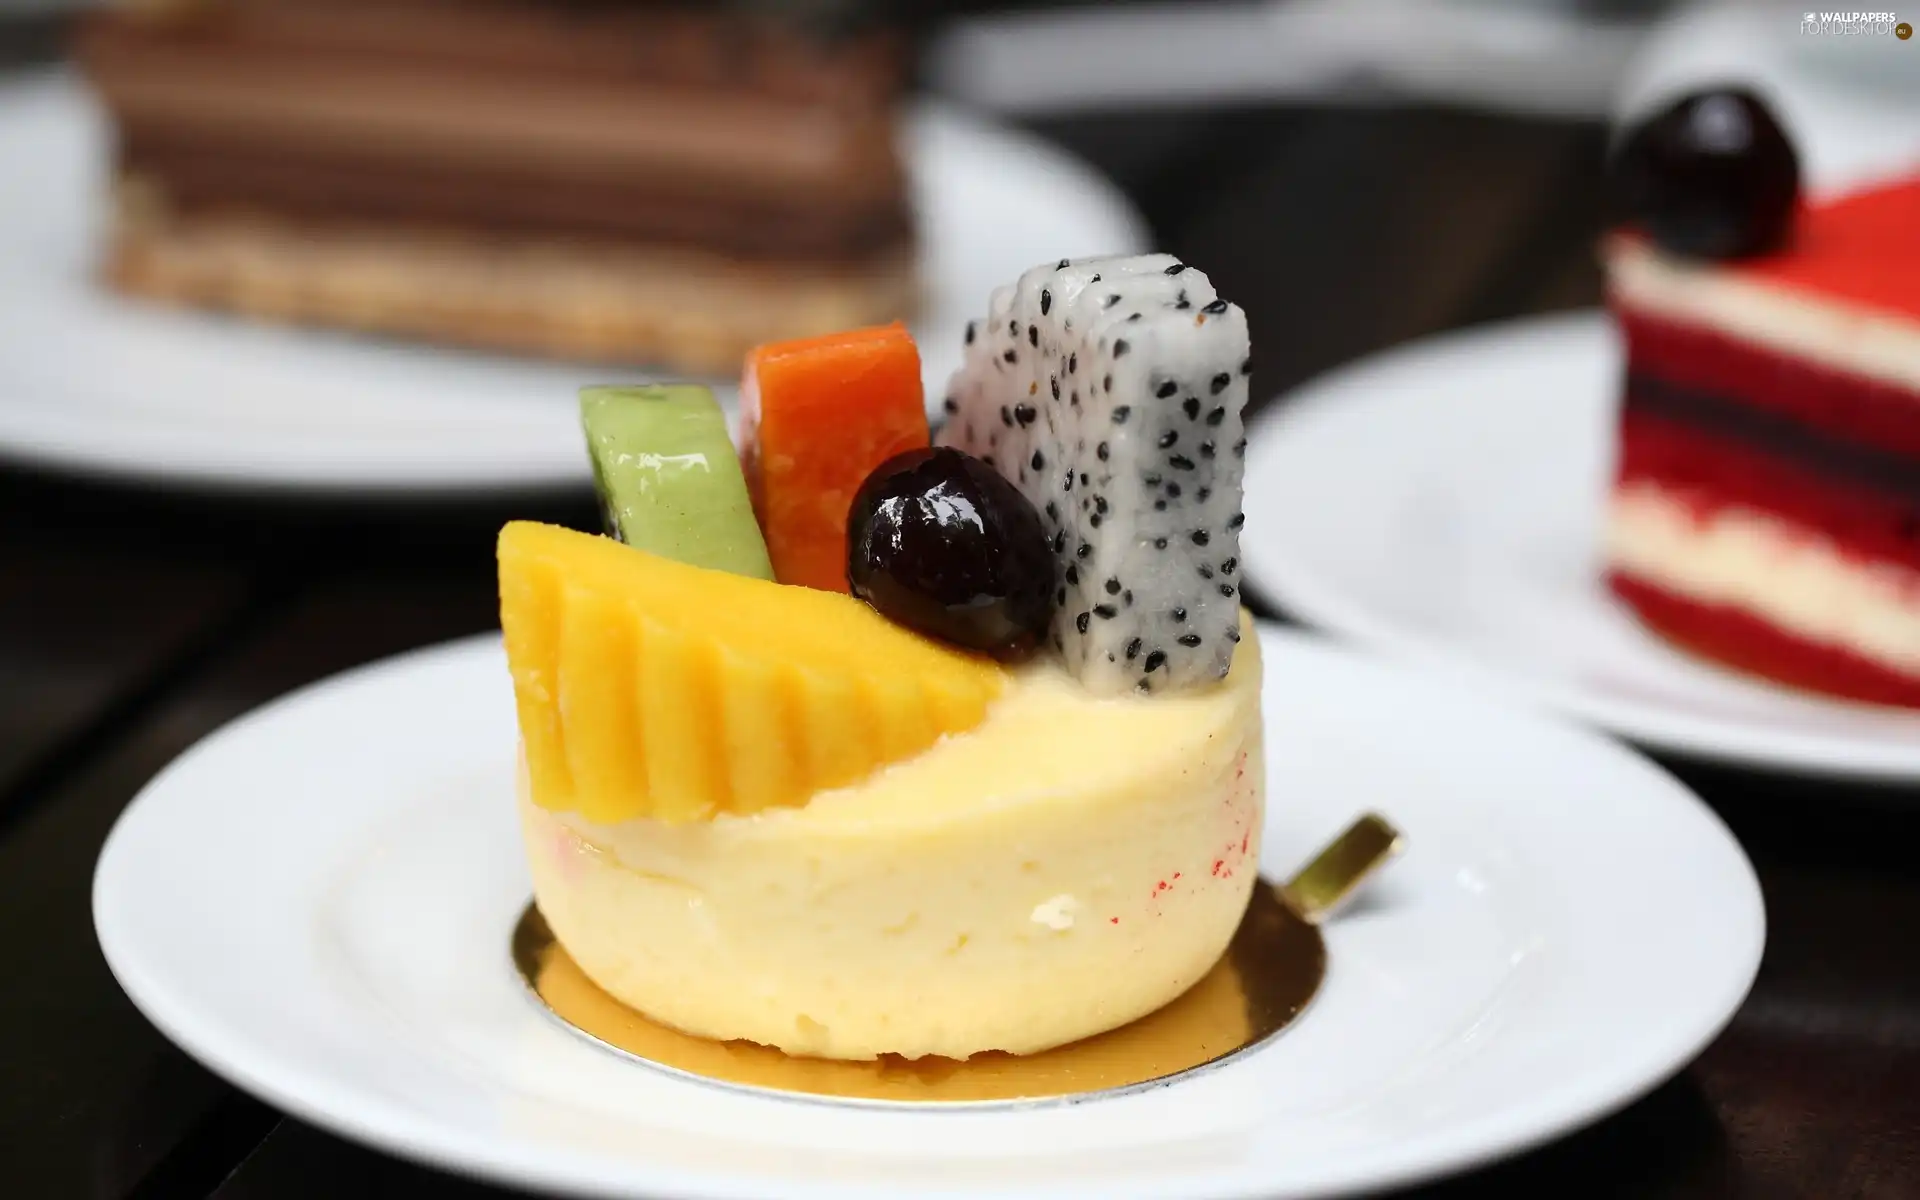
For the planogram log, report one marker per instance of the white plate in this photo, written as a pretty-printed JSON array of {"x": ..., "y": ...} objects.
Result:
[
  {"x": 315, "y": 902},
  {"x": 1442, "y": 502},
  {"x": 90, "y": 382}
]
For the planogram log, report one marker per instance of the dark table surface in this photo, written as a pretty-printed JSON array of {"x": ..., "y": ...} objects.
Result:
[{"x": 133, "y": 621}]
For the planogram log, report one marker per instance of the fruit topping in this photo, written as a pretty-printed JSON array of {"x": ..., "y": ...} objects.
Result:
[
  {"x": 668, "y": 479},
  {"x": 818, "y": 415},
  {"x": 1710, "y": 176},
  {"x": 1109, "y": 391},
  {"x": 939, "y": 542},
  {"x": 649, "y": 688}
]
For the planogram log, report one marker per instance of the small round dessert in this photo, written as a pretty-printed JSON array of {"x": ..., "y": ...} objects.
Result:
[
  {"x": 769, "y": 812},
  {"x": 1067, "y": 866}
]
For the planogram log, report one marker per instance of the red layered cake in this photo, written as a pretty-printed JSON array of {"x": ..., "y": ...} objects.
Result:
[
  {"x": 1767, "y": 505},
  {"x": 590, "y": 178}
]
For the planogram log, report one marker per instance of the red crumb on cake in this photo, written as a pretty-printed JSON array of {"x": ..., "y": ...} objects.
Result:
[
  {"x": 1232, "y": 856},
  {"x": 1240, "y": 836},
  {"x": 1750, "y": 644}
]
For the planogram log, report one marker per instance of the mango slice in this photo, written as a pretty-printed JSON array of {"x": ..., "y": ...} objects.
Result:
[{"x": 649, "y": 688}]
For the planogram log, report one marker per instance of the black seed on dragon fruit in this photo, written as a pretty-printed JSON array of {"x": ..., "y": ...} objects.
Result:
[{"x": 1163, "y": 397}]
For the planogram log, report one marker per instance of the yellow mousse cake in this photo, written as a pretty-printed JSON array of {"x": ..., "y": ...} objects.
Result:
[
  {"x": 1065, "y": 867},
  {"x": 861, "y": 745},
  {"x": 1064, "y": 864}
]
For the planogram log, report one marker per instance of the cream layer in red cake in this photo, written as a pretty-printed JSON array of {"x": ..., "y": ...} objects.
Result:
[{"x": 1767, "y": 504}]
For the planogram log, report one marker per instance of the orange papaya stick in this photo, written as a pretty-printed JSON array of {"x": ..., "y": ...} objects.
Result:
[{"x": 817, "y": 416}]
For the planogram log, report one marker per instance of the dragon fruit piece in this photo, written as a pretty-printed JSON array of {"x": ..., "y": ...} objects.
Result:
[{"x": 1110, "y": 391}]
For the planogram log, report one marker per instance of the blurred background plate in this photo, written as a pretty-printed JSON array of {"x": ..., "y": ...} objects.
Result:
[
  {"x": 1442, "y": 503},
  {"x": 95, "y": 384},
  {"x": 1560, "y": 57}
]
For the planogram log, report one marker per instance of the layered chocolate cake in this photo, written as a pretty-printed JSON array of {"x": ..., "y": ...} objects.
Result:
[
  {"x": 622, "y": 181},
  {"x": 1767, "y": 505}
]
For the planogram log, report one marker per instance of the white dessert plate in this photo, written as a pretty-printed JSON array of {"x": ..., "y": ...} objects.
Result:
[
  {"x": 93, "y": 383},
  {"x": 1441, "y": 502},
  {"x": 316, "y": 901}
]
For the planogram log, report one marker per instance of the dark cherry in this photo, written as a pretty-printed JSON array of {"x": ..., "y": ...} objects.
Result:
[
  {"x": 940, "y": 542},
  {"x": 1710, "y": 176}
]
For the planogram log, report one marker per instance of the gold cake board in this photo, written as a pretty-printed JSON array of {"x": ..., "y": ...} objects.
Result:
[{"x": 1269, "y": 974}]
